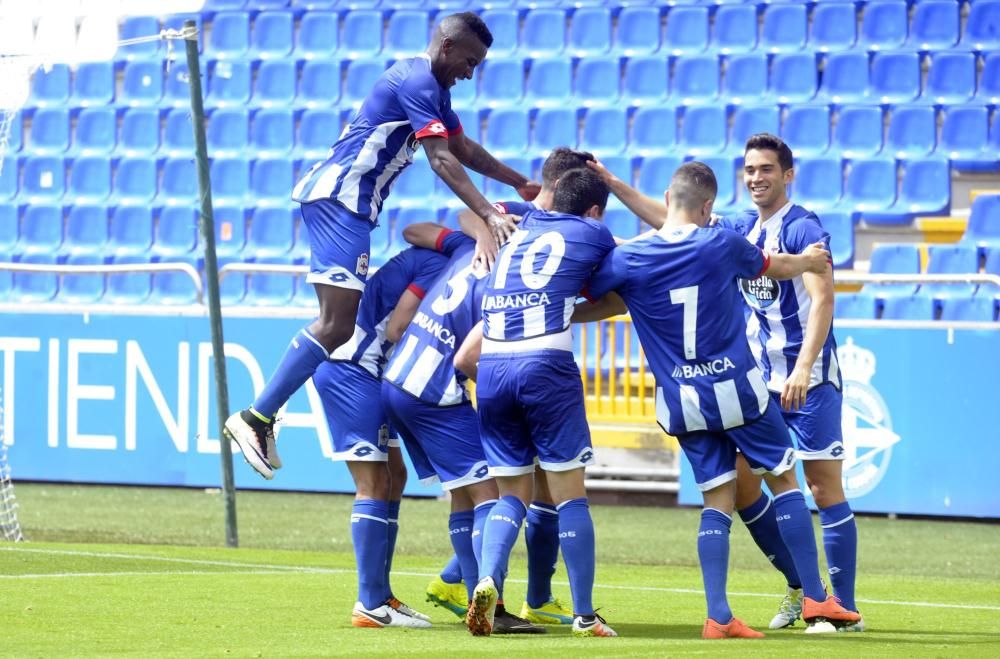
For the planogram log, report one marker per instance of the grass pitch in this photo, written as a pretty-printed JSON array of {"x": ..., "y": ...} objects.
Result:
[{"x": 140, "y": 572}]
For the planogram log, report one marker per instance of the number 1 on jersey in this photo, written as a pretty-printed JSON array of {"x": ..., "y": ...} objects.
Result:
[{"x": 688, "y": 297}]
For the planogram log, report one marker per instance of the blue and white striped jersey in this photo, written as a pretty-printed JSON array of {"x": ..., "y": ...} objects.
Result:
[
  {"x": 405, "y": 105},
  {"x": 539, "y": 274},
  {"x": 423, "y": 363},
  {"x": 780, "y": 309},
  {"x": 413, "y": 269},
  {"x": 679, "y": 286}
]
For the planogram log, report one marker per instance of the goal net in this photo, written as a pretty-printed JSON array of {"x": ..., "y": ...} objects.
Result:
[{"x": 10, "y": 528}]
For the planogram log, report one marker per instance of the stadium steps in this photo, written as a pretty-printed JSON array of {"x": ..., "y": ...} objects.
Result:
[
  {"x": 942, "y": 229},
  {"x": 640, "y": 435}
]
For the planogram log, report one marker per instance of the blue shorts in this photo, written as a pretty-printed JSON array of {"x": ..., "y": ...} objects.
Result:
[
  {"x": 531, "y": 406},
  {"x": 352, "y": 403},
  {"x": 443, "y": 442},
  {"x": 817, "y": 425},
  {"x": 340, "y": 244},
  {"x": 765, "y": 443}
]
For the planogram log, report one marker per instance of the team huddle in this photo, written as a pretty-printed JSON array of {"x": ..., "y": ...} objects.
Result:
[{"x": 734, "y": 317}]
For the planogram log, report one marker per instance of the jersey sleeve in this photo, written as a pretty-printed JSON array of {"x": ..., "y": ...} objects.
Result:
[
  {"x": 450, "y": 241},
  {"x": 610, "y": 275},
  {"x": 420, "y": 98},
  {"x": 802, "y": 233},
  {"x": 427, "y": 270},
  {"x": 514, "y": 207},
  {"x": 745, "y": 258}
]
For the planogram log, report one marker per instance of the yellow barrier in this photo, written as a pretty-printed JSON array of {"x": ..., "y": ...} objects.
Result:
[{"x": 617, "y": 386}]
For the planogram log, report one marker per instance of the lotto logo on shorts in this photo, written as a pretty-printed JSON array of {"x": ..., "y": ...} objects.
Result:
[
  {"x": 363, "y": 451},
  {"x": 362, "y": 267},
  {"x": 481, "y": 472}
]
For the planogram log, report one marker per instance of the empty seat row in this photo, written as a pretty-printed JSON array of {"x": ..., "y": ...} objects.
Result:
[{"x": 864, "y": 305}]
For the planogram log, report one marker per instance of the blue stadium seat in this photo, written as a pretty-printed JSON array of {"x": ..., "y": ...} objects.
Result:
[
  {"x": 725, "y": 176},
  {"x": 502, "y": 82},
  {"x": 544, "y": 33},
  {"x": 621, "y": 223},
  {"x": 957, "y": 259},
  {"x": 896, "y": 260},
  {"x": 934, "y": 25},
  {"x": 695, "y": 80},
  {"x": 95, "y": 131},
  {"x": 793, "y": 76},
  {"x": 6, "y": 278},
  {"x": 965, "y": 137},
  {"x": 973, "y": 309},
  {"x": 8, "y": 177},
  {"x": 951, "y": 78},
  {"x": 870, "y": 185},
  {"x": 620, "y": 166},
  {"x": 8, "y": 228},
  {"x": 687, "y": 30},
  {"x": 913, "y": 307},
  {"x": 179, "y": 183},
  {"x": 925, "y": 188},
  {"x": 597, "y": 80},
  {"x": 178, "y": 134},
  {"x": 654, "y": 131},
  {"x": 988, "y": 90},
  {"x": 319, "y": 35},
  {"x": 176, "y": 233},
  {"x": 554, "y": 127},
  {"x": 230, "y": 181},
  {"x": 228, "y": 84},
  {"x": 318, "y": 130},
  {"x": 93, "y": 84},
  {"x": 471, "y": 123},
  {"x": 884, "y": 24},
  {"x": 272, "y": 133},
  {"x": 271, "y": 37},
  {"x": 233, "y": 286},
  {"x": 32, "y": 287},
  {"x": 359, "y": 80},
  {"x": 267, "y": 289},
  {"x": 858, "y": 132},
  {"x": 51, "y": 88},
  {"x": 44, "y": 179},
  {"x": 845, "y": 77},
  {"x": 912, "y": 132},
  {"x": 784, "y": 28},
  {"x": 638, "y": 31},
  {"x": 507, "y": 132},
  {"x": 990, "y": 267},
  {"x": 128, "y": 288},
  {"x": 840, "y": 225},
  {"x": 266, "y": 5},
  {"x": 854, "y": 306},
  {"x": 463, "y": 94},
  {"x": 139, "y": 26},
  {"x": 228, "y": 132},
  {"x": 605, "y": 131},
  {"x": 983, "y": 229},
  {"x": 135, "y": 181},
  {"x": 895, "y": 77},
  {"x": 590, "y": 32},
  {"x": 274, "y": 85},
  {"x": 703, "y": 130},
  {"x": 749, "y": 120},
  {"x": 212, "y": 6},
  {"x": 982, "y": 26},
  {"x": 271, "y": 233},
  {"x": 408, "y": 33},
  {"x": 818, "y": 182},
  {"x": 646, "y": 79},
  {"x": 177, "y": 88},
  {"x": 230, "y": 35},
  {"x": 503, "y": 25},
  {"x": 834, "y": 27},
  {"x": 41, "y": 229},
  {"x": 271, "y": 181},
  {"x": 174, "y": 288},
  {"x": 413, "y": 186},
  {"x": 82, "y": 288},
  {"x": 90, "y": 179},
  {"x": 806, "y": 130},
  {"x": 131, "y": 231},
  {"x": 496, "y": 191},
  {"x": 549, "y": 82},
  {"x": 49, "y": 132},
  {"x": 735, "y": 29},
  {"x": 319, "y": 86},
  {"x": 404, "y": 217},
  {"x": 745, "y": 78},
  {"x": 230, "y": 231}
]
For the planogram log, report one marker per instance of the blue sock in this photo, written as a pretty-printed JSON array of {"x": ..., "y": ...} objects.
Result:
[
  {"x": 541, "y": 534},
  {"x": 576, "y": 539},
  {"x": 713, "y": 554},
  {"x": 840, "y": 540},
  {"x": 503, "y": 523},
  {"x": 393, "y": 519},
  {"x": 481, "y": 512},
  {"x": 795, "y": 525},
  {"x": 452, "y": 572},
  {"x": 763, "y": 527},
  {"x": 297, "y": 365},
  {"x": 368, "y": 532},
  {"x": 460, "y": 532}
]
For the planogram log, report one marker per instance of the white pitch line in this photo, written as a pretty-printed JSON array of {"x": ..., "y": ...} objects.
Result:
[
  {"x": 191, "y": 573},
  {"x": 292, "y": 569}
]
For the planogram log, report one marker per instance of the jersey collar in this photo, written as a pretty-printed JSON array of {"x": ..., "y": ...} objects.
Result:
[
  {"x": 674, "y": 234},
  {"x": 777, "y": 217}
]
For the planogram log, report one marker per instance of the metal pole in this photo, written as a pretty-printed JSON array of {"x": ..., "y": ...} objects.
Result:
[{"x": 207, "y": 224}]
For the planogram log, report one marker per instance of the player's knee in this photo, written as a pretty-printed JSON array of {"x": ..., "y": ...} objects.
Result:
[
  {"x": 825, "y": 494},
  {"x": 397, "y": 476},
  {"x": 372, "y": 483},
  {"x": 332, "y": 333},
  {"x": 747, "y": 492}
]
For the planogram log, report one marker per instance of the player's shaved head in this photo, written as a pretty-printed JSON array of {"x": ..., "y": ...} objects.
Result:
[
  {"x": 579, "y": 190},
  {"x": 459, "y": 45},
  {"x": 560, "y": 161},
  {"x": 466, "y": 25},
  {"x": 692, "y": 185}
]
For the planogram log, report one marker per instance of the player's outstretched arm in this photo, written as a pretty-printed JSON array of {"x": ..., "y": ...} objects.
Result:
[
  {"x": 402, "y": 315},
  {"x": 423, "y": 234},
  {"x": 467, "y": 357},
  {"x": 814, "y": 258},
  {"x": 475, "y": 157},
  {"x": 608, "y": 306},
  {"x": 649, "y": 210}
]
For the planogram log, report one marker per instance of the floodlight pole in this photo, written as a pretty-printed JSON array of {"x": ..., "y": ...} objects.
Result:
[{"x": 207, "y": 224}]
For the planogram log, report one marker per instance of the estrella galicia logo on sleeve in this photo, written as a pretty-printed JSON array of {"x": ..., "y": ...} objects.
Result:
[{"x": 760, "y": 293}]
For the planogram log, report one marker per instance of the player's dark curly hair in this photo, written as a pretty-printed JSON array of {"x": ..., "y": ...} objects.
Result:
[
  {"x": 473, "y": 23},
  {"x": 692, "y": 185},
  {"x": 578, "y": 190},
  {"x": 769, "y": 142},
  {"x": 561, "y": 160}
]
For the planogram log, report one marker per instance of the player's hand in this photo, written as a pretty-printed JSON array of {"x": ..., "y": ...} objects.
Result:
[
  {"x": 502, "y": 226},
  {"x": 529, "y": 190},
  {"x": 601, "y": 170},
  {"x": 487, "y": 247},
  {"x": 818, "y": 258},
  {"x": 485, "y": 254},
  {"x": 793, "y": 395}
]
